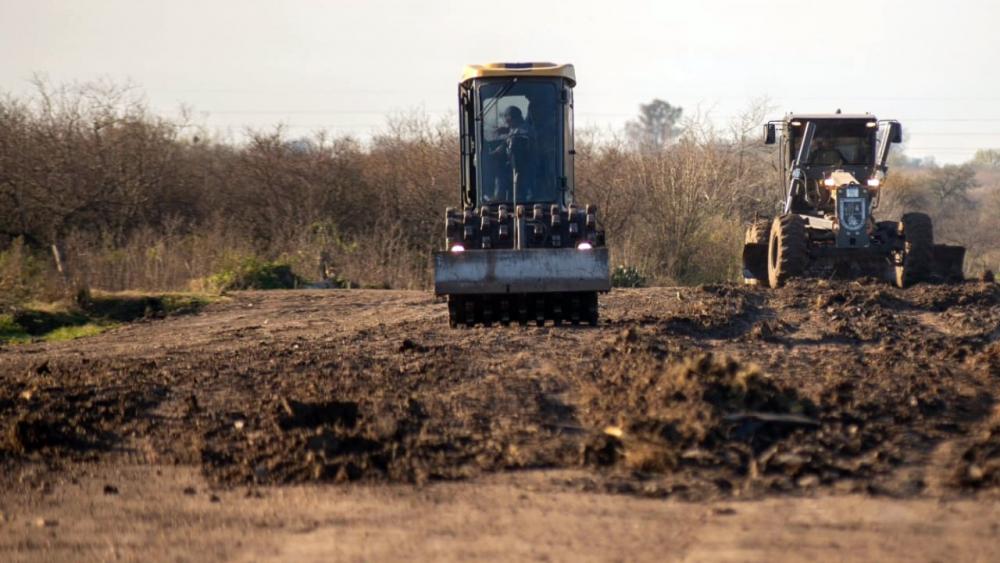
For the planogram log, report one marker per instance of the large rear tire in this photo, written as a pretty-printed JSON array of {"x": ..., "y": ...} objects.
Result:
[
  {"x": 758, "y": 232},
  {"x": 787, "y": 249},
  {"x": 755, "y": 243},
  {"x": 917, "y": 232}
]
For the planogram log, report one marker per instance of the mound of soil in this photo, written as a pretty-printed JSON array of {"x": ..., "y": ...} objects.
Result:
[
  {"x": 294, "y": 441},
  {"x": 979, "y": 465},
  {"x": 77, "y": 422},
  {"x": 694, "y": 392}
]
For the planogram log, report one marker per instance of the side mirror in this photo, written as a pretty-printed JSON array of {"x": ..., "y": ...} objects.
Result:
[
  {"x": 895, "y": 132},
  {"x": 769, "y": 134}
]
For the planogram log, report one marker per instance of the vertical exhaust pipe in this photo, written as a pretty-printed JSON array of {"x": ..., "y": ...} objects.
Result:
[{"x": 800, "y": 158}]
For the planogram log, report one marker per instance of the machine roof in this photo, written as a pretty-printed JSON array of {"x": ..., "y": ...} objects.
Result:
[
  {"x": 816, "y": 116},
  {"x": 519, "y": 69}
]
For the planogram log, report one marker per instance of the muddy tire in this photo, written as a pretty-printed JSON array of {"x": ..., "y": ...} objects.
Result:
[
  {"x": 786, "y": 253},
  {"x": 758, "y": 232},
  {"x": 454, "y": 311},
  {"x": 755, "y": 243},
  {"x": 592, "y": 309},
  {"x": 917, "y": 232}
]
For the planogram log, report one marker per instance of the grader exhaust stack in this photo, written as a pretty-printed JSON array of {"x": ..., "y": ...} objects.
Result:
[{"x": 520, "y": 249}]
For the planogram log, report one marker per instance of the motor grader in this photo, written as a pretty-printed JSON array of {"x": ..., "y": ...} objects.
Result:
[
  {"x": 520, "y": 248},
  {"x": 833, "y": 166}
]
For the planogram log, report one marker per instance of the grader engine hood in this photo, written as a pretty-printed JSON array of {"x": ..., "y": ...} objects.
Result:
[{"x": 533, "y": 270}]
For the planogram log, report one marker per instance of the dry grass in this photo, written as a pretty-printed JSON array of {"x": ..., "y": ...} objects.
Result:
[{"x": 129, "y": 200}]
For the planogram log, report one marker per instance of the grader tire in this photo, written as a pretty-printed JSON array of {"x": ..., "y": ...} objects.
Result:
[
  {"x": 917, "y": 232},
  {"x": 758, "y": 232},
  {"x": 592, "y": 309},
  {"x": 787, "y": 249}
]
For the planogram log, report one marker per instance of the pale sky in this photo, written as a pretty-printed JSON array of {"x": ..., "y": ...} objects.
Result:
[{"x": 343, "y": 65}]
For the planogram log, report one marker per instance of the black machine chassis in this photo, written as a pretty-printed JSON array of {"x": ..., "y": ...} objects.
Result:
[
  {"x": 487, "y": 309},
  {"x": 879, "y": 258}
]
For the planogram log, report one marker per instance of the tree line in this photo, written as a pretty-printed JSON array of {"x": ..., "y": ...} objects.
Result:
[{"x": 97, "y": 191}]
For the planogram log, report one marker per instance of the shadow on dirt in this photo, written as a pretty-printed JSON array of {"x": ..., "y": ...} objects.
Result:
[{"x": 75, "y": 421}]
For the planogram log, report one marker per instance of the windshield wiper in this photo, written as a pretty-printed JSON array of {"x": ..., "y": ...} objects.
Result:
[{"x": 503, "y": 91}]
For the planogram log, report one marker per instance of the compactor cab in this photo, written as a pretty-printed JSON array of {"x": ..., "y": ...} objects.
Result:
[
  {"x": 833, "y": 168},
  {"x": 520, "y": 248}
]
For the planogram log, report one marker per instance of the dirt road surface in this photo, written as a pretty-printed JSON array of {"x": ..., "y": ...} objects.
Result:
[{"x": 826, "y": 420}]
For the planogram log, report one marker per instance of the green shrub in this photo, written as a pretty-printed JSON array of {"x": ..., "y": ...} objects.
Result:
[
  {"x": 91, "y": 313},
  {"x": 10, "y": 331},
  {"x": 129, "y": 306},
  {"x": 38, "y": 322},
  {"x": 627, "y": 276},
  {"x": 22, "y": 274},
  {"x": 74, "y": 332},
  {"x": 253, "y": 273},
  {"x": 30, "y": 326}
]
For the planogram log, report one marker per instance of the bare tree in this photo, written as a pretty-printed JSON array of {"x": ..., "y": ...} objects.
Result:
[
  {"x": 92, "y": 183},
  {"x": 655, "y": 126},
  {"x": 987, "y": 158},
  {"x": 951, "y": 183}
]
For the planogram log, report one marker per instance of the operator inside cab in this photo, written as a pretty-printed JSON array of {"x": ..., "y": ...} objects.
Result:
[
  {"x": 517, "y": 145},
  {"x": 835, "y": 144},
  {"x": 522, "y": 134},
  {"x": 826, "y": 153}
]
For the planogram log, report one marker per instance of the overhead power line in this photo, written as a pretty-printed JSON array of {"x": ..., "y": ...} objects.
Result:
[{"x": 326, "y": 111}]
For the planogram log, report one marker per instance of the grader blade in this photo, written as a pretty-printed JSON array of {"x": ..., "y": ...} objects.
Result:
[{"x": 947, "y": 263}]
